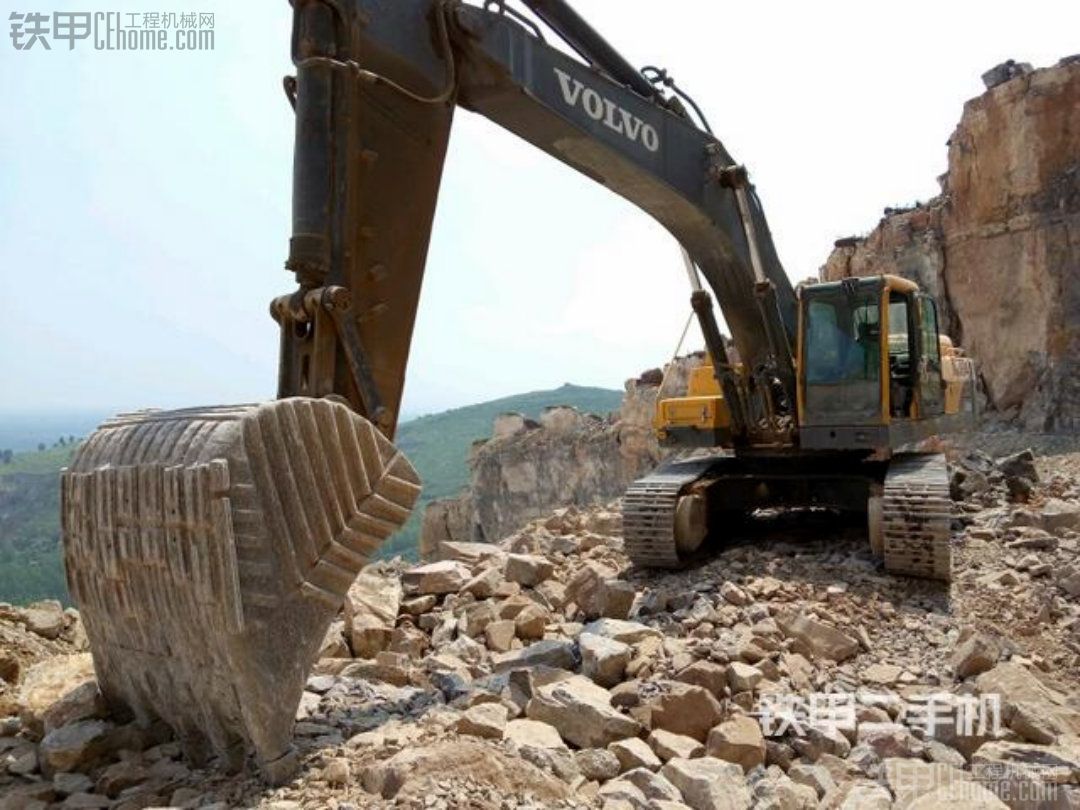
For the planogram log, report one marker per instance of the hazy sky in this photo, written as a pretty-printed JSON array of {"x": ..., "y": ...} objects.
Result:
[{"x": 144, "y": 199}]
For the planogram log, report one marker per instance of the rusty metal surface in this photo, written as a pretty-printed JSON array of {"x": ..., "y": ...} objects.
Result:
[
  {"x": 367, "y": 166},
  {"x": 208, "y": 551}
]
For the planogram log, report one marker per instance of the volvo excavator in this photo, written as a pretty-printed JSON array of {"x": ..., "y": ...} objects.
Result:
[{"x": 209, "y": 549}]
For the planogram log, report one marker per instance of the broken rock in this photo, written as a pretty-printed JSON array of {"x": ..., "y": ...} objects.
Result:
[
  {"x": 555, "y": 653},
  {"x": 47, "y": 682},
  {"x": 1028, "y": 706},
  {"x": 743, "y": 677},
  {"x": 738, "y": 740},
  {"x": 585, "y": 587},
  {"x": 674, "y": 746},
  {"x": 634, "y": 753},
  {"x": 686, "y": 709},
  {"x": 485, "y": 584},
  {"x": 1022, "y": 769},
  {"x": 603, "y": 659},
  {"x": 528, "y": 570},
  {"x": 582, "y": 713},
  {"x": 616, "y": 599},
  {"x": 1058, "y": 515},
  {"x": 976, "y": 654},
  {"x": 624, "y": 631},
  {"x": 712, "y": 676},
  {"x": 484, "y": 720},
  {"x": 597, "y": 764},
  {"x": 708, "y": 784},
  {"x": 84, "y": 702},
  {"x": 823, "y": 640},
  {"x": 45, "y": 618},
  {"x": 889, "y": 740},
  {"x": 500, "y": 635},
  {"x": 530, "y": 623},
  {"x": 438, "y": 578},
  {"x": 75, "y": 747},
  {"x": 371, "y": 608},
  {"x": 533, "y": 733},
  {"x": 653, "y": 786}
]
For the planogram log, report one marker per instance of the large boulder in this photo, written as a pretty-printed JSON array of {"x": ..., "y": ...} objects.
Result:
[
  {"x": 582, "y": 713},
  {"x": 1058, "y": 515},
  {"x": 915, "y": 783},
  {"x": 975, "y": 654},
  {"x": 970, "y": 796}
]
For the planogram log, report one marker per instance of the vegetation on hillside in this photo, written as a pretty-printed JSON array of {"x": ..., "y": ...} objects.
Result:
[
  {"x": 30, "y": 559},
  {"x": 438, "y": 445}
]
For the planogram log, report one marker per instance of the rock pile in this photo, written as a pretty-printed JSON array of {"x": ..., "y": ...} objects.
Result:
[{"x": 788, "y": 672}]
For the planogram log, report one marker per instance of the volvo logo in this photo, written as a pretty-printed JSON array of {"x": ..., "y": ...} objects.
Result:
[{"x": 607, "y": 112}]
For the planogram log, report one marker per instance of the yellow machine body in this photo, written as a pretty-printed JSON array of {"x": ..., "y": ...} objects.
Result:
[
  {"x": 697, "y": 418},
  {"x": 912, "y": 389}
]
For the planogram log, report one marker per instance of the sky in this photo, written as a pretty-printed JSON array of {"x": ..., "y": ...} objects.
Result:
[{"x": 145, "y": 197}]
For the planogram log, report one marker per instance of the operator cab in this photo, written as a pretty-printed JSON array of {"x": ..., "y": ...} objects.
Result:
[{"x": 871, "y": 362}]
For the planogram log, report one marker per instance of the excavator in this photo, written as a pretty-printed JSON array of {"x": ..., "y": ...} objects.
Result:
[{"x": 209, "y": 549}]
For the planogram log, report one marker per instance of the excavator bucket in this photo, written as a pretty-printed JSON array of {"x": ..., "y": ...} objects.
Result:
[{"x": 208, "y": 550}]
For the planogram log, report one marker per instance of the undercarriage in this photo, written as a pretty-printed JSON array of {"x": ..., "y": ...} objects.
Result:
[{"x": 683, "y": 510}]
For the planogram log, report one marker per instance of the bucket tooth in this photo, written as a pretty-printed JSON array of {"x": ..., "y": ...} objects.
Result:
[{"x": 209, "y": 549}]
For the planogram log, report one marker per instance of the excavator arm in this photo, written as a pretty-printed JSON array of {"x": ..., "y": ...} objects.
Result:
[
  {"x": 209, "y": 549},
  {"x": 376, "y": 89}
]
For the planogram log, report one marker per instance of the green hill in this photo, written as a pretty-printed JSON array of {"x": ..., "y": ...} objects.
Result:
[
  {"x": 438, "y": 445},
  {"x": 30, "y": 566}
]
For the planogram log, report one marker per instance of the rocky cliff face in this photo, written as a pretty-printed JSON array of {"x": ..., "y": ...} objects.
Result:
[
  {"x": 1000, "y": 248},
  {"x": 527, "y": 468}
]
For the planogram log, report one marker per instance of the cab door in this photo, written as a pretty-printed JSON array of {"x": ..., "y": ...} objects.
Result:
[{"x": 931, "y": 399}]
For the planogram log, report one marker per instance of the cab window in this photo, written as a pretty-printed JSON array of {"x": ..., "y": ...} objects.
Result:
[{"x": 842, "y": 354}]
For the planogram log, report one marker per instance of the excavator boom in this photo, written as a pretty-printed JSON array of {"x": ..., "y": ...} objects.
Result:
[
  {"x": 377, "y": 85},
  {"x": 210, "y": 549}
]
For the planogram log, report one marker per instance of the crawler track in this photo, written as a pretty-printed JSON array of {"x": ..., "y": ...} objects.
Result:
[
  {"x": 916, "y": 515},
  {"x": 649, "y": 512}
]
